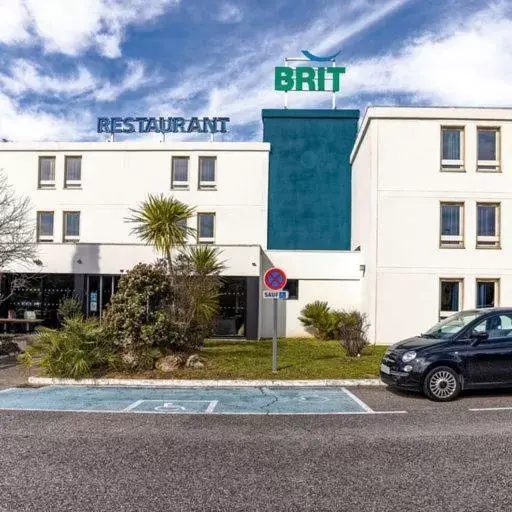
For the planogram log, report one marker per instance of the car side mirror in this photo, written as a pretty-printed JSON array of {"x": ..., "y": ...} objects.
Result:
[{"x": 478, "y": 336}]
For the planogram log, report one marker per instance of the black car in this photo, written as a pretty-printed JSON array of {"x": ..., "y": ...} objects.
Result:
[{"x": 471, "y": 349}]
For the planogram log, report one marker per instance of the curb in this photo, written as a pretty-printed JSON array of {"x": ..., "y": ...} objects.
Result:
[{"x": 180, "y": 383}]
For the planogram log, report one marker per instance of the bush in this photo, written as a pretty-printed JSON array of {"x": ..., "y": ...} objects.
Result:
[
  {"x": 69, "y": 308},
  {"x": 347, "y": 327},
  {"x": 318, "y": 316},
  {"x": 73, "y": 351},
  {"x": 353, "y": 332}
]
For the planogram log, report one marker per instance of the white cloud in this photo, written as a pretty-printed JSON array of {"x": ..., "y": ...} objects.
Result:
[
  {"x": 23, "y": 77},
  {"x": 469, "y": 62},
  {"x": 229, "y": 13},
  {"x": 73, "y": 27},
  {"x": 17, "y": 124}
]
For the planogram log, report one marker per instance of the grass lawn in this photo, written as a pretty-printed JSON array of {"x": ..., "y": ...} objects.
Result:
[{"x": 297, "y": 359}]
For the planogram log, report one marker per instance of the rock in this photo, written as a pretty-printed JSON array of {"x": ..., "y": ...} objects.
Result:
[
  {"x": 168, "y": 364},
  {"x": 130, "y": 359},
  {"x": 194, "y": 361}
]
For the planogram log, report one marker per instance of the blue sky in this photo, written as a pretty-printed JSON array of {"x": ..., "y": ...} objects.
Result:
[{"x": 63, "y": 63}]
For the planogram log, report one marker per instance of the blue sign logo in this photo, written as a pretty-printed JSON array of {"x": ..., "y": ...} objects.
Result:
[
  {"x": 162, "y": 124},
  {"x": 315, "y": 58}
]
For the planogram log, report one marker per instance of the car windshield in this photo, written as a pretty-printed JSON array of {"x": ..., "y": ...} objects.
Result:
[{"x": 452, "y": 325}]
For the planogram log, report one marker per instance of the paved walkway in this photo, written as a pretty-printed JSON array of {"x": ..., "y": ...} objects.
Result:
[{"x": 12, "y": 373}]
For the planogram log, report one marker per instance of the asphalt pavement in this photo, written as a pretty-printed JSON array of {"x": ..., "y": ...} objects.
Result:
[{"x": 435, "y": 457}]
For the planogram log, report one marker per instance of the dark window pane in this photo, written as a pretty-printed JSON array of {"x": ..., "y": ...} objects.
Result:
[
  {"x": 180, "y": 169},
  {"x": 485, "y": 294},
  {"x": 206, "y": 225},
  {"x": 47, "y": 169},
  {"x": 74, "y": 168},
  {"x": 450, "y": 220},
  {"x": 487, "y": 144},
  {"x": 72, "y": 224},
  {"x": 207, "y": 169},
  {"x": 451, "y": 144},
  {"x": 450, "y": 295},
  {"x": 292, "y": 287},
  {"x": 486, "y": 220},
  {"x": 45, "y": 223}
]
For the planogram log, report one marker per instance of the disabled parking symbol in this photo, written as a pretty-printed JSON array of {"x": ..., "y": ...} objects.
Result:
[{"x": 170, "y": 407}]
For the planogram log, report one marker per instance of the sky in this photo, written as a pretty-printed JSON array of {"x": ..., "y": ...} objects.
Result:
[{"x": 64, "y": 63}]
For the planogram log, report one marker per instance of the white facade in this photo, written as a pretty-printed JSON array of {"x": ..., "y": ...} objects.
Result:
[
  {"x": 398, "y": 188},
  {"x": 118, "y": 176}
]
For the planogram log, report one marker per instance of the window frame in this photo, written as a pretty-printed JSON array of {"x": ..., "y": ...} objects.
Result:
[
  {"x": 44, "y": 238},
  {"x": 456, "y": 165},
  {"x": 207, "y": 185},
  {"x": 46, "y": 184},
  {"x": 443, "y": 239},
  {"x": 180, "y": 185},
  {"x": 496, "y": 281},
  {"x": 296, "y": 295},
  {"x": 487, "y": 166},
  {"x": 206, "y": 240},
  {"x": 497, "y": 237},
  {"x": 72, "y": 184},
  {"x": 70, "y": 238},
  {"x": 460, "y": 281}
]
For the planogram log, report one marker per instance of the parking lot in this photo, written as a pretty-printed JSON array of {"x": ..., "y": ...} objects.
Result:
[{"x": 245, "y": 401}]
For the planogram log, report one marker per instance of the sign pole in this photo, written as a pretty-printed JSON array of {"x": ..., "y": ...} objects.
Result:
[
  {"x": 274, "y": 340},
  {"x": 275, "y": 280}
]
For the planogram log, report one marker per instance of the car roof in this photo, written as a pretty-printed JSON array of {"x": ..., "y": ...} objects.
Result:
[{"x": 491, "y": 310}]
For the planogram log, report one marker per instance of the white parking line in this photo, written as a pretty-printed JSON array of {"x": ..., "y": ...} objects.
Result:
[
  {"x": 132, "y": 406},
  {"x": 492, "y": 409},
  {"x": 357, "y": 400},
  {"x": 211, "y": 407}
]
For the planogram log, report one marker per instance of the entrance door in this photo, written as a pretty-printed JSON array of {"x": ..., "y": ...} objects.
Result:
[{"x": 490, "y": 360}]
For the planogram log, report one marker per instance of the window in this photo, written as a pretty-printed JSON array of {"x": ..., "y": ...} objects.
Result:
[
  {"x": 45, "y": 226},
  {"x": 207, "y": 172},
  {"x": 71, "y": 226},
  {"x": 488, "y": 226},
  {"x": 452, "y": 225},
  {"x": 292, "y": 287},
  {"x": 179, "y": 172},
  {"x": 452, "y": 149},
  {"x": 486, "y": 293},
  {"x": 450, "y": 297},
  {"x": 205, "y": 227},
  {"x": 497, "y": 326},
  {"x": 46, "y": 177},
  {"x": 488, "y": 149},
  {"x": 73, "y": 172}
]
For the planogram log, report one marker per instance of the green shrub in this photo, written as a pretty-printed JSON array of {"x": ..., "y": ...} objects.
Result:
[
  {"x": 324, "y": 321},
  {"x": 347, "y": 327},
  {"x": 156, "y": 308},
  {"x": 69, "y": 308},
  {"x": 74, "y": 351},
  {"x": 353, "y": 329}
]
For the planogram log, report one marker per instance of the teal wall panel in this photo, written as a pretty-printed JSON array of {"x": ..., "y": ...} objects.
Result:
[{"x": 309, "y": 196}]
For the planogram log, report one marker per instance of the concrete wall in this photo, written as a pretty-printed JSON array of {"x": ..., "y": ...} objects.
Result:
[
  {"x": 404, "y": 182},
  {"x": 331, "y": 276},
  {"x": 118, "y": 176}
]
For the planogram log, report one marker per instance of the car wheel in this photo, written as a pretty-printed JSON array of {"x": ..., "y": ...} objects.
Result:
[{"x": 442, "y": 384}]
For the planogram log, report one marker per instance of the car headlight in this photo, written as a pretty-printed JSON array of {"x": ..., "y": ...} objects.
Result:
[{"x": 409, "y": 356}]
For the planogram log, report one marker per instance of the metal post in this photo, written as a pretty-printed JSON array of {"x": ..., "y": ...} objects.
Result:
[
  {"x": 274, "y": 339},
  {"x": 333, "y": 92}
]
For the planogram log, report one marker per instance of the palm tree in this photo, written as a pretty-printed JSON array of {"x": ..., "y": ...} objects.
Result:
[{"x": 161, "y": 221}]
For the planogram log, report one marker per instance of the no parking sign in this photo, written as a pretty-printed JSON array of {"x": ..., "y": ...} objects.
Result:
[{"x": 275, "y": 279}]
